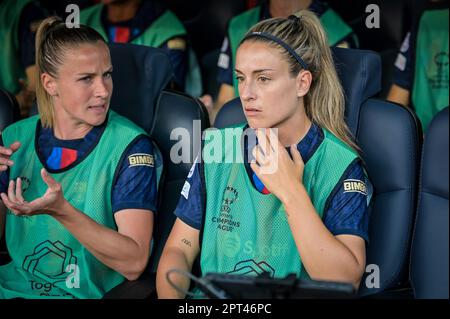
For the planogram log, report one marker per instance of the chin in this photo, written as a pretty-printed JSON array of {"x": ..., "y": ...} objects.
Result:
[
  {"x": 97, "y": 121},
  {"x": 255, "y": 124}
]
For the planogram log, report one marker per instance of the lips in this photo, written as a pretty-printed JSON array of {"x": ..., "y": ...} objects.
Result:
[
  {"x": 97, "y": 107},
  {"x": 251, "y": 111}
]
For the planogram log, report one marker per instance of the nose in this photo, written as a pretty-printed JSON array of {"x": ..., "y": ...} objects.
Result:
[
  {"x": 246, "y": 90},
  {"x": 101, "y": 88}
]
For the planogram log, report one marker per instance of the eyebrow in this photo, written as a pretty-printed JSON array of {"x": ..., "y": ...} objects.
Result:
[
  {"x": 110, "y": 69},
  {"x": 256, "y": 71}
]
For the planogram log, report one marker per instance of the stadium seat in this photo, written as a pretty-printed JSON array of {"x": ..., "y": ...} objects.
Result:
[
  {"x": 390, "y": 138},
  {"x": 9, "y": 109},
  {"x": 140, "y": 77},
  {"x": 429, "y": 256}
]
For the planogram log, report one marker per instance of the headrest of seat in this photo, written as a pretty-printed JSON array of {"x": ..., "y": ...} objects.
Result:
[
  {"x": 435, "y": 156},
  {"x": 360, "y": 75},
  {"x": 140, "y": 74},
  {"x": 9, "y": 109}
]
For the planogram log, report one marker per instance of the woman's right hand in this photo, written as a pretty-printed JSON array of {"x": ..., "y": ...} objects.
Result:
[{"x": 5, "y": 154}]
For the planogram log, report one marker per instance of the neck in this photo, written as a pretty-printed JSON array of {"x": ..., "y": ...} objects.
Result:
[
  {"x": 284, "y": 8},
  {"x": 66, "y": 128},
  {"x": 122, "y": 10},
  {"x": 294, "y": 129}
]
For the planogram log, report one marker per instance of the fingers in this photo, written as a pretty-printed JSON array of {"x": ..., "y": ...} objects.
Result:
[
  {"x": 11, "y": 192},
  {"x": 255, "y": 168},
  {"x": 5, "y": 163},
  {"x": 263, "y": 140},
  {"x": 51, "y": 183},
  {"x": 259, "y": 156},
  {"x": 11, "y": 205},
  {"x": 19, "y": 196},
  {"x": 296, "y": 156},
  {"x": 5, "y": 154},
  {"x": 15, "y": 146},
  {"x": 5, "y": 151}
]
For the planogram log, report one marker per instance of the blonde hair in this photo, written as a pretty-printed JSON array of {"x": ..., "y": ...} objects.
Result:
[
  {"x": 53, "y": 40},
  {"x": 324, "y": 103}
]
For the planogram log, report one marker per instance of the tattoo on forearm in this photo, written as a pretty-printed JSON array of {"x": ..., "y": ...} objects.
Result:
[{"x": 187, "y": 242}]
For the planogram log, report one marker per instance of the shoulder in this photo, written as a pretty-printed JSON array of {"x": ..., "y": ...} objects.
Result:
[
  {"x": 116, "y": 121},
  {"x": 141, "y": 144},
  {"x": 338, "y": 145},
  {"x": 30, "y": 122}
]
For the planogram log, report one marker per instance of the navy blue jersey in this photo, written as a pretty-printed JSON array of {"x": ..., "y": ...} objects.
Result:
[
  {"x": 345, "y": 213},
  {"x": 402, "y": 71},
  {"x": 135, "y": 186},
  {"x": 225, "y": 65},
  {"x": 147, "y": 13}
]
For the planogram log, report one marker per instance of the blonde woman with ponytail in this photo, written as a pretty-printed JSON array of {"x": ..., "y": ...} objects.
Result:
[
  {"x": 307, "y": 216},
  {"x": 78, "y": 215}
]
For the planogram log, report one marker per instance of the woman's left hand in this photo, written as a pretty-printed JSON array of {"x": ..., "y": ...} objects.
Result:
[
  {"x": 50, "y": 203},
  {"x": 279, "y": 173}
]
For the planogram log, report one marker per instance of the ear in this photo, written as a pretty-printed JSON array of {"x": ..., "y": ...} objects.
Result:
[
  {"x": 49, "y": 84},
  {"x": 304, "y": 80}
]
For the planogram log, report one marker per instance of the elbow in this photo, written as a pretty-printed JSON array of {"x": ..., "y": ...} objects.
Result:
[{"x": 135, "y": 269}]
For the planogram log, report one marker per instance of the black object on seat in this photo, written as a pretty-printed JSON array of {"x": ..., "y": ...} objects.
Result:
[
  {"x": 360, "y": 75},
  {"x": 429, "y": 256}
]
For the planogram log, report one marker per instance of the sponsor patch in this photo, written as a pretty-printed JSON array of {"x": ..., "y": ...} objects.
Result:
[
  {"x": 186, "y": 189},
  {"x": 355, "y": 186},
  {"x": 141, "y": 159}
]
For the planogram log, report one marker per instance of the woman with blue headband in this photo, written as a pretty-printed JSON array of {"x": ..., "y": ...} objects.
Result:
[{"x": 295, "y": 198}]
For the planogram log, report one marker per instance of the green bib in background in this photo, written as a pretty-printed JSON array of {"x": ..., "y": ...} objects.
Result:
[
  {"x": 155, "y": 36},
  {"x": 430, "y": 90},
  {"x": 11, "y": 69}
]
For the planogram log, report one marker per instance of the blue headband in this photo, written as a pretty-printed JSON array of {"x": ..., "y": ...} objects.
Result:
[{"x": 280, "y": 42}]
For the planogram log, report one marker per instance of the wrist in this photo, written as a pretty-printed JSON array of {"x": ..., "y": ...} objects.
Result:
[
  {"x": 293, "y": 195},
  {"x": 62, "y": 209}
]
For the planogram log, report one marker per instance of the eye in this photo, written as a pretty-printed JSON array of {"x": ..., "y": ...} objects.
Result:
[
  {"x": 263, "y": 79},
  {"x": 239, "y": 78},
  {"x": 107, "y": 75},
  {"x": 87, "y": 78}
]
